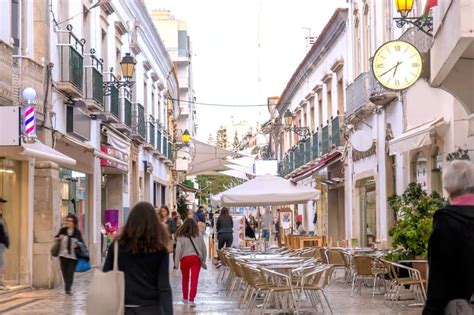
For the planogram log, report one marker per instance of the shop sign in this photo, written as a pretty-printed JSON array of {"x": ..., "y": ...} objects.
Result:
[{"x": 116, "y": 154}]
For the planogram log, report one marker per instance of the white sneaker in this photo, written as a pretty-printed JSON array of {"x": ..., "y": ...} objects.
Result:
[
  {"x": 192, "y": 304},
  {"x": 185, "y": 302}
]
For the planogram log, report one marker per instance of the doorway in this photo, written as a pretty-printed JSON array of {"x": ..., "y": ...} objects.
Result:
[{"x": 368, "y": 213}]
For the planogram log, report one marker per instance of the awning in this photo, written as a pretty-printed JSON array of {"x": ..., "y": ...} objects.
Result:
[
  {"x": 415, "y": 138},
  {"x": 186, "y": 188},
  {"x": 331, "y": 158},
  {"x": 105, "y": 156},
  {"x": 43, "y": 152}
]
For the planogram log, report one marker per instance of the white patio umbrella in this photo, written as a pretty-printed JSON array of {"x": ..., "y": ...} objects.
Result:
[{"x": 268, "y": 190}]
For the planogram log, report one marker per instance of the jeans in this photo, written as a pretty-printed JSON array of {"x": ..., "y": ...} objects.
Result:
[
  {"x": 68, "y": 267},
  {"x": 224, "y": 240},
  {"x": 190, "y": 264},
  {"x": 266, "y": 234}
]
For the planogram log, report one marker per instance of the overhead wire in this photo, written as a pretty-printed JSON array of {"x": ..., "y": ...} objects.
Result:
[{"x": 217, "y": 104}]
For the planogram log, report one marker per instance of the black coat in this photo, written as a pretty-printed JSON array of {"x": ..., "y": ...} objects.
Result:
[
  {"x": 4, "y": 236},
  {"x": 146, "y": 277},
  {"x": 450, "y": 257},
  {"x": 225, "y": 224}
]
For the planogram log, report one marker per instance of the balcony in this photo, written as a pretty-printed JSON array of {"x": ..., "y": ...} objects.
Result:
[
  {"x": 378, "y": 94},
  {"x": 138, "y": 123},
  {"x": 170, "y": 151},
  {"x": 159, "y": 142},
  {"x": 123, "y": 108},
  {"x": 112, "y": 103},
  {"x": 93, "y": 87},
  {"x": 358, "y": 98},
  {"x": 6, "y": 67},
  {"x": 325, "y": 140},
  {"x": 71, "y": 58},
  {"x": 307, "y": 150},
  {"x": 315, "y": 146},
  {"x": 300, "y": 154},
  {"x": 151, "y": 139},
  {"x": 337, "y": 138}
]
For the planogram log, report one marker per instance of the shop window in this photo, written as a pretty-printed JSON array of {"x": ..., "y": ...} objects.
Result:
[{"x": 74, "y": 197}]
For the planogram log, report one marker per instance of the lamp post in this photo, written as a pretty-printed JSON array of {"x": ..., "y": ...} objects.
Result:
[
  {"x": 422, "y": 23},
  {"x": 127, "y": 64}
]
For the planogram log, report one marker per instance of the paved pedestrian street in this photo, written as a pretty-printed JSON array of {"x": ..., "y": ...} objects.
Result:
[{"x": 211, "y": 299}]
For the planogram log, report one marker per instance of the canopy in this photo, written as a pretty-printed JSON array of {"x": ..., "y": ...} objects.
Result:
[
  {"x": 205, "y": 152},
  {"x": 415, "y": 138},
  {"x": 43, "y": 152},
  {"x": 268, "y": 190}
]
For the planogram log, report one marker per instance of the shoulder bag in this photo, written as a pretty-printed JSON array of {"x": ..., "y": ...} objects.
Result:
[
  {"x": 106, "y": 293},
  {"x": 460, "y": 307},
  {"x": 203, "y": 264},
  {"x": 55, "y": 248}
]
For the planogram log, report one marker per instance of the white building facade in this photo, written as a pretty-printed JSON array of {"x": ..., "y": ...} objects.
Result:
[{"x": 100, "y": 150}]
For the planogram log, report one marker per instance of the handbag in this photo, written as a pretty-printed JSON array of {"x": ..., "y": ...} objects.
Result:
[
  {"x": 106, "y": 293},
  {"x": 81, "y": 251},
  {"x": 55, "y": 249},
  {"x": 83, "y": 265},
  {"x": 460, "y": 307},
  {"x": 203, "y": 264}
]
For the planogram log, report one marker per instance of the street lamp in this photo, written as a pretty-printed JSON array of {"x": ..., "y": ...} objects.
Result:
[
  {"x": 300, "y": 131},
  {"x": 422, "y": 23},
  {"x": 127, "y": 64},
  {"x": 185, "y": 138}
]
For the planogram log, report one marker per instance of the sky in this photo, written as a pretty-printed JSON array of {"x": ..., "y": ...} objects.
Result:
[{"x": 245, "y": 51}]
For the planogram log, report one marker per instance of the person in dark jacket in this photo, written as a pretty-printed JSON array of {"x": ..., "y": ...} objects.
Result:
[
  {"x": 200, "y": 216},
  {"x": 69, "y": 237},
  {"x": 224, "y": 227},
  {"x": 164, "y": 214},
  {"x": 451, "y": 245},
  {"x": 249, "y": 232},
  {"x": 144, "y": 260}
]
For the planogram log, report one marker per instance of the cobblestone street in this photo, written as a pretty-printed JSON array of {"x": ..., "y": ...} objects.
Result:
[{"x": 211, "y": 299}]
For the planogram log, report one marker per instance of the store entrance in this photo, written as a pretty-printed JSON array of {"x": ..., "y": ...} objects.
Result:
[{"x": 10, "y": 217}]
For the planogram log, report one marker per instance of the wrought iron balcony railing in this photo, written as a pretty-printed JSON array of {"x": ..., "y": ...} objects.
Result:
[
  {"x": 138, "y": 122},
  {"x": 325, "y": 140},
  {"x": 71, "y": 56}
]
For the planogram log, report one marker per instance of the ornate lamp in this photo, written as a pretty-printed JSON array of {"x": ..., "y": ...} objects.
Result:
[
  {"x": 422, "y": 23},
  {"x": 288, "y": 118},
  {"x": 186, "y": 137},
  {"x": 127, "y": 64}
]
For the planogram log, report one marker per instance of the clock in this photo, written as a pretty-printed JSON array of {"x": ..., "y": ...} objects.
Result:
[{"x": 397, "y": 65}]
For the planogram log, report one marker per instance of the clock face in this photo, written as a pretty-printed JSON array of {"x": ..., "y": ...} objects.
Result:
[{"x": 397, "y": 65}]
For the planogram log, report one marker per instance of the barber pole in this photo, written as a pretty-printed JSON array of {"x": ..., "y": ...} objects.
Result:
[{"x": 29, "y": 122}]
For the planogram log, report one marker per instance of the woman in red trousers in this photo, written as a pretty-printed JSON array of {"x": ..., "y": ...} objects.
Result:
[{"x": 191, "y": 254}]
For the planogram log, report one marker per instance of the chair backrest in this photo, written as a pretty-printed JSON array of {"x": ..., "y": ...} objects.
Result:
[
  {"x": 324, "y": 257},
  {"x": 314, "y": 278},
  {"x": 336, "y": 258},
  {"x": 363, "y": 265},
  {"x": 249, "y": 275}
]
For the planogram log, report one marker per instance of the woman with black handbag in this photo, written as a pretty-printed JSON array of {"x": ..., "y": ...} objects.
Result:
[
  {"x": 191, "y": 255},
  {"x": 70, "y": 244}
]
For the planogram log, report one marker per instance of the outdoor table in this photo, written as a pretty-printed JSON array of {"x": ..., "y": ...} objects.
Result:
[
  {"x": 276, "y": 262},
  {"x": 311, "y": 239}
]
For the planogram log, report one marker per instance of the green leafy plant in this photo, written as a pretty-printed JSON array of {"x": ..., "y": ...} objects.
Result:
[
  {"x": 459, "y": 154},
  {"x": 413, "y": 212},
  {"x": 182, "y": 206}
]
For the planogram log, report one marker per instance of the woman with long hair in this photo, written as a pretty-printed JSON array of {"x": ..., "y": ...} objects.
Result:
[
  {"x": 69, "y": 237},
  {"x": 191, "y": 255},
  {"x": 224, "y": 227},
  {"x": 144, "y": 260}
]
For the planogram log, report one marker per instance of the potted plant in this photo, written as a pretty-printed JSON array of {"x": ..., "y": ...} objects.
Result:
[
  {"x": 413, "y": 212},
  {"x": 182, "y": 206}
]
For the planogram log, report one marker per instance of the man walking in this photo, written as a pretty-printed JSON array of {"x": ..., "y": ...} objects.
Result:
[{"x": 267, "y": 221}]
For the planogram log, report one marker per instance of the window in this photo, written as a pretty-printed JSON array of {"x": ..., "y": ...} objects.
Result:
[
  {"x": 340, "y": 96},
  {"x": 320, "y": 110},
  {"x": 15, "y": 25},
  {"x": 356, "y": 46},
  {"x": 421, "y": 165},
  {"x": 312, "y": 118},
  {"x": 366, "y": 38},
  {"x": 436, "y": 172},
  {"x": 145, "y": 96},
  {"x": 329, "y": 100}
]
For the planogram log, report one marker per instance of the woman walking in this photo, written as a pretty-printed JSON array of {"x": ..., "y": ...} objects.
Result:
[
  {"x": 143, "y": 258},
  {"x": 69, "y": 238},
  {"x": 224, "y": 227},
  {"x": 191, "y": 254}
]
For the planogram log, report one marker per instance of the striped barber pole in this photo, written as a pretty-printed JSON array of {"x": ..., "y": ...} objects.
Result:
[{"x": 29, "y": 121}]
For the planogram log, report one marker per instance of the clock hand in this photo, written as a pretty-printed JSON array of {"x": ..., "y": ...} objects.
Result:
[
  {"x": 396, "y": 68},
  {"x": 390, "y": 69}
]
